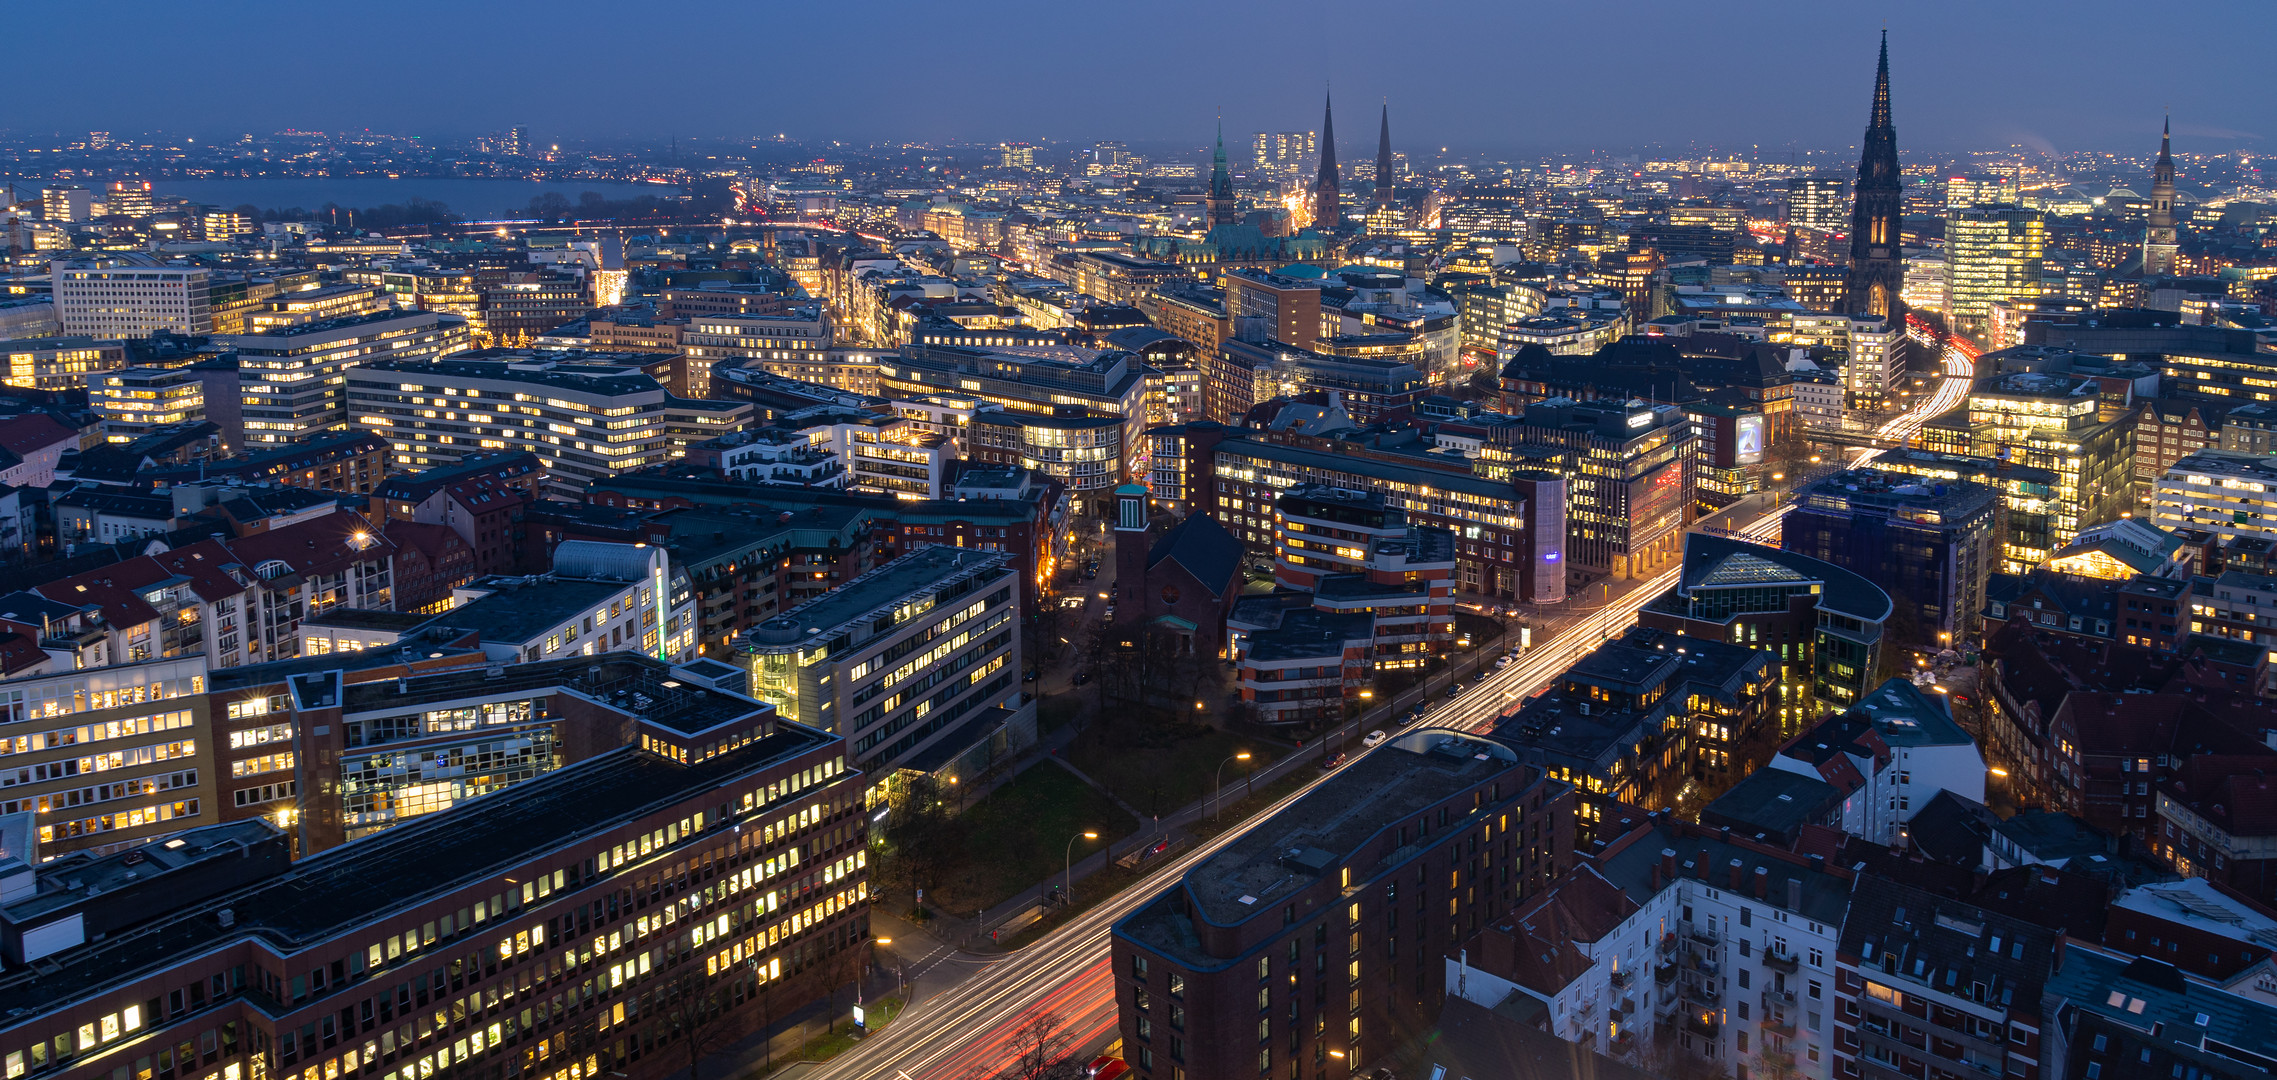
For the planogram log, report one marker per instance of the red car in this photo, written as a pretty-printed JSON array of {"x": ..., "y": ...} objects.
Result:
[{"x": 1106, "y": 1068}]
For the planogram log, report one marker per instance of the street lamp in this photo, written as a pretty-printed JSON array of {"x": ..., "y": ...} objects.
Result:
[
  {"x": 1219, "y": 782},
  {"x": 1067, "y": 870}
]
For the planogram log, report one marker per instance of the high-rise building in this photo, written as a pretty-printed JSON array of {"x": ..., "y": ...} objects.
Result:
[
  {"x": 1016, "y": 155},
  {"x": 1877, "y": 266},
  {"x": 1816, "y": 202},
  {"x": 1327, "y": 189},
  {"x": 129, "y": 198},
  {"x": 2159, "y": 240},
  {"x": 2220, "y": 492},
  {"x": 131, "y": 296},
  {"x": 1991, "y": 253}
]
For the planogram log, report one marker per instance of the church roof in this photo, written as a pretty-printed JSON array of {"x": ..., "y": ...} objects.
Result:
[{"x": 1205, "y": 549}]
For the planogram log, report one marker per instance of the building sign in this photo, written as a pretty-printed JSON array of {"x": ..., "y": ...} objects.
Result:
[{"x": 1748, "y": 447}]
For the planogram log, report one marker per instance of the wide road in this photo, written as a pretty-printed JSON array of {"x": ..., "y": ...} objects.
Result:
[{"x": 968, "y": 1032}]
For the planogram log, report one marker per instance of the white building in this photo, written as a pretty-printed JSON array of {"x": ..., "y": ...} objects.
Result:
[
  {"x": 1675, "y": 944},
  {"x": 132, "y": 401},
  {"x": 1890, "y": 754},
  {"x": 130, "y": 296},
  {"x": 599, "y": 598},
  {"x": 2218, "y": 491}
]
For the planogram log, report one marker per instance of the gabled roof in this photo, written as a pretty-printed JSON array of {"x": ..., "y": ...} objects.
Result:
[{"x": 1205, "y": 549}]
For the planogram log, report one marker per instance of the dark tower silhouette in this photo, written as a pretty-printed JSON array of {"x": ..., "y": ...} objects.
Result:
[
  {"x": 1326, "y": 189},
  {"x": 1877, "y": 270},
  {"x": 1220, "y": 199},
  {"x": 1384, "y": 161},
  {"x": 2160, "y": 244}
]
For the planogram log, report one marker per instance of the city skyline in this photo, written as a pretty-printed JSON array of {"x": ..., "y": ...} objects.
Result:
[{"x": 1490, "y": 91}]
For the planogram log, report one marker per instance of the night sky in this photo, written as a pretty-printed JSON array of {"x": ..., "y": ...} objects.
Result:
[{"x": 1499, "y": 77}]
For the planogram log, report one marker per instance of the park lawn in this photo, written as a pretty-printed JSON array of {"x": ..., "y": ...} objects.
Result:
[
  {"x": 1161, "y": 780},
  {"x": 1017, "y": 836}
]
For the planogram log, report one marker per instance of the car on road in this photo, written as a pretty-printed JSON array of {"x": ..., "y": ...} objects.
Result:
[
  {"x": 1331, "y": 761},
  {"x": 1374, "y": 738},
  {"x": 1454, "y": 691},
  {"x": 1106, "y": 1067},
  {"x": 1501, "y": 663},
  {"x": 1032, "y": 675}
]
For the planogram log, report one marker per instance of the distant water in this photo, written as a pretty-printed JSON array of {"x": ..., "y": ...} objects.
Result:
[{"x": 467, "y": 198}]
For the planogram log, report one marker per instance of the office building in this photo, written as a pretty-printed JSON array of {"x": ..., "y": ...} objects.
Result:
[
  {"x": 2219, "y": 492},
  {"x": 598, "y": 598},
  {"x": 1086, "y": 454},
  {"x": 1991, "y": 253},
  {"x": 792, "y": 343},
  {"x": 1263, "y": 306},
  {"x": 291, "y": 382},
  {"x": 1242, "y": 375},
  {"x": 67, "y": 363},
  {"x": 142, "y": 947},
  {"x": 1353, "y": 554},
  {"x": 923, "y": 651},
  {"x": 135, "y": 401},
  {"x": 1301, "y": 963},
  {"x": 2028, "y": 497},
  {"x": 1818, "y": 202},
  {"x": 140, "y": 760},
  {"x": 1931, "y": 545},
  {"x": 130, "y": 296},
  {"x": 2050, "y": 421},
  {"x": 586, "y": 417},
  {"x": 1048, "y": 382},
  {"x": 1651, "y": 715},
  {"x": 1824, "y": 622},
  {"x": 1630, "y": 471}
]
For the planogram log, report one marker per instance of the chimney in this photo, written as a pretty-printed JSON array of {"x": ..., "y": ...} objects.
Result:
[
  {"x": 1818, "y": 863},
  {"x": 1794, "y": 894},
  {"x": 1762, "y": 883},
  {"x": 1736, "y": 869},
  {"x": 1652, "y": 877},
  {"x": 1668, "y": 863}
]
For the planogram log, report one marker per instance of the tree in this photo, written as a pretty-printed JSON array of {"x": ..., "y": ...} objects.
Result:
[
  {"x": 922, "y": 834},
  {"x": 1037, "y": 1043},
  {"x": 699, "y": 1017}
]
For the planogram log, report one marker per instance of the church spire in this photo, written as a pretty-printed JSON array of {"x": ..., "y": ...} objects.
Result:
[
  {"x": 2162, "y": 242},
  {"x": 1384, "y": 160},
  {"x": 1221, "y": 182},
  {"x": 1877, "y": 274},
  {"x": 1327, "y": 188}
]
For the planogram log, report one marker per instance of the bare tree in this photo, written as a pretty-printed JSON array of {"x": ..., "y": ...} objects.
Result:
[
  {"x": 1038, "y": 1042},
  {"x": 922, "y": 834},
  {"x": 699, "y": 1017}
]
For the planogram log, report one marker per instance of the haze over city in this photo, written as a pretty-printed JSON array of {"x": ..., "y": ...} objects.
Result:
[{"x": 1637, "y": 541}]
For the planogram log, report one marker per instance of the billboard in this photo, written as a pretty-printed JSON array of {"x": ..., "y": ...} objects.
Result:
[{"x": 1747, "y": 446}]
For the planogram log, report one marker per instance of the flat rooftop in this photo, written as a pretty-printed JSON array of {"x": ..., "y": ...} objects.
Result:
[
  {"x": 634, "y": 682},
  {"x": 516, "y": 613},
  {"x": 825, "y": 616},
  {"x": 368, "y": 619},
  {"x": 333, "y": 892},
  {"x": 1327, "y": 825}
]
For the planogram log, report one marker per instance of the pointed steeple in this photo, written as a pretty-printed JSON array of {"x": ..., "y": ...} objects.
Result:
[
  {"x": 1877, "y": 272},
  {"x": 1384, "y": 160},
  {"x": 2161, "y": 239},
  {"x": 1881, "y": 114},
  {"x": 1221, "y": 182},
  {"x": 1327, "y": 188}
]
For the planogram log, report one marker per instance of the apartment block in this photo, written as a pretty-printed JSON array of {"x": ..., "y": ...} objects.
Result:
[{"x": 291, "y": 382}]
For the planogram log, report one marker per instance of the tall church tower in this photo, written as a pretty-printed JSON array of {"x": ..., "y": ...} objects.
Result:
[
  {"x": 2160, "y": 243},
  {"x": 1384, "y": 161},
  {"x": 1327, "y": 215},
  {"x": 1877, "y": 269},
  {"x": 1220, "y": 199}
]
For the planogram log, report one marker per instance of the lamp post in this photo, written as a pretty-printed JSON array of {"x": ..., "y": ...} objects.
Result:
[
  {"x": 1219, "y": 783},
  {"x": 1067, "y": 869}
]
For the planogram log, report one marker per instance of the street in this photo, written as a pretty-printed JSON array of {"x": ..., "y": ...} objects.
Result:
[{"x": 965, "y": 1029}]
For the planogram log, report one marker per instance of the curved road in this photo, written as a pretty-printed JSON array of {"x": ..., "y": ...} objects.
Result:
[{"x": 968, "y": 1031}]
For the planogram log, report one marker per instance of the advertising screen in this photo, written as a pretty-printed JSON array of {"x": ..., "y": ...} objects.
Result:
[{"x": 1747, "y": 448}]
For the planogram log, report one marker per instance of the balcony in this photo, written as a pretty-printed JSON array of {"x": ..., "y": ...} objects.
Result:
[
  {"x": 1780, "y": 1025},
  {"x": 1778, "y": 960},
  {"x": 1702, "y": 934},
  {"x": 1664, "y": 974},
  {"x": 1666, "y": 1007},
  {"x": 1702, "y": 1024},
  {"x": 1703, "y": 991},
  {"x": 1703, "y": 964},
  {"x": 1667, "y": 943},
  {"x": 1774, "y": 1000},
  {"x": 1624, "y": 978}
]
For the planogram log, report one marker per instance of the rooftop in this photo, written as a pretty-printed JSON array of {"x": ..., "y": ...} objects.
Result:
[
  {"x": 630, "y": 681},
  {"x": 874, "y": 595},
  {"x": 518, "y": 611},
  {"x": 331, "y": 893}
]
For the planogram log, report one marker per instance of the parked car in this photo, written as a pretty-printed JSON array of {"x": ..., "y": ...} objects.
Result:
[
  {"x": 1331, "y": 761},
  {"x": 1454, "y": 691},
  {"x": 1374, "y": 738},
  {"x": 1082, "y": 677}
]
